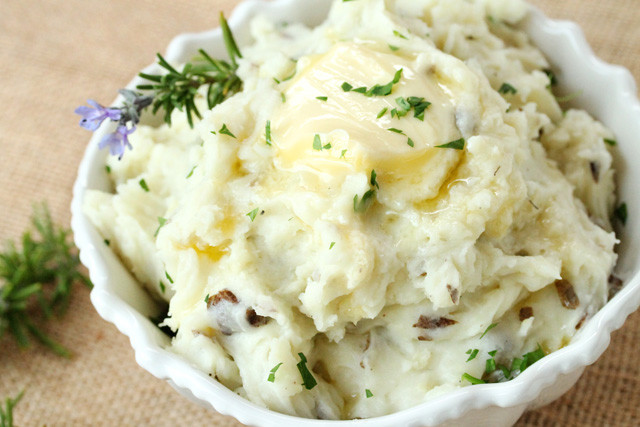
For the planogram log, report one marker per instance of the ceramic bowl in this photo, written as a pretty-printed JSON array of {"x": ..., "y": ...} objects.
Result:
[{"x": 608, "y": 93}]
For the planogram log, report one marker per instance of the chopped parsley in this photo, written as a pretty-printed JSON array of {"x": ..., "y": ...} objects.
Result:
[
  {"x": 283, "y": 97},
  {"x": 107, "y": 168},
  {"x": 507, "y": 88},
  {"x": 144, "y": 185},
  {"x": 168, "y": 277},
  {"x": 225, "y": 131},
  {"x": 191, "y": 171},
  {"x": 403, "y": 103},
  {"x": 611, "y": 142},
  {"x": 317, "y": 144},
  {"x": 621, "y": 213},
  {"x": 399, "y": 34},
  {"x": 419, "y": 106},
  {"x": 206, "y": 299},
  {"x": 322, "y": 98},
  {"x": 308, "y": 381},
  {"x": 490, "y": 327},
  {"x": 332, "y": 245},
  {"x": 393, "y": 48},
  {"x": 458, "y": 144},
  {"x": 396, "y": 131},
  {"x": 267, "y": 132},
  {"x": 472, "y": 354},
  {"x": 373, "y": 180},
  {"x": 107, "y": 242},
  {"x": 490, "y": 365},
  {"x": 162, "y": 287},
  {"x": 161, "y": 223},
  {"x": 382, "y": 112},
  {"x": 553, "y": 80},
  {"x": 368, "y": 393},
  {"x": 376, "y": 90},
  {"x": 252, "y": 214},
  {"x": 410, "y": 142},
  {"x": 472, "y": 379},
  {"x": 343, "y": 153},
  {"x": 272, "y": 373}
]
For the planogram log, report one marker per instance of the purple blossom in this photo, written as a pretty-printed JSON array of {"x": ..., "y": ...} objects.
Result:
[
  {"x": 117, "y": 141},
  {"x": 92, "y": 117}
]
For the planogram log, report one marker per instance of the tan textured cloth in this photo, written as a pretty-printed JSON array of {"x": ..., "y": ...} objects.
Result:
[{"x": 56, "y": 54}]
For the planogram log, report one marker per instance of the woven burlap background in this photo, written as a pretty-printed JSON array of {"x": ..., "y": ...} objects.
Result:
[{"x": 56, "y": 54}]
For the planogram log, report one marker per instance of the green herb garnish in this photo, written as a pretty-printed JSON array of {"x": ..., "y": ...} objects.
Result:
[
  {"x": 267, "y": 132},
  {"x": 472, "y": 354},
  {"x": 343, "y": 153},
  {"x": 206, "y": 299},
  {"x": 36, "y": 280},
  {"x": 382, "y": 112},
  {"x": 322, "y": 98},
  {"x": 178, "y": 89},
  {"x": 611, "y": 142},
  {"x": 225, "y": 131},
  {"x": 162, "y": 287},
  {"x": 472, "y": 379},
  {"x": 107, "y": 242},
  {"x": 373, "y": 180},
  {"x": 308, "y": 381},
  {"x": 332, "y": 245},
  {"x": 191, "y": 172},
  {"x": 401, "y": 132},
  {"x": 410, "y": 142},
  {"x": 317, "y": 144},
  {"x": 168, "y": 277},
  {"x": 272, "y": 373},
  {"x": 458, "y": 144},
  {"x": 361, "y": 205},
  {"x": 399, "y": 34},
  {"x": 553, "y": 80},
  {"x": 161, "y": 223},
  {"x": 368, "y": 393},
  {"x": 507, "y": 88},
  {"x": 252, "y": 214},
  {"x": 394, "y": 48},
  {"x": 490, "y": 327},
  {"x": 621, "y": 213},
  {"x": 376, "y": 90},
  {"x": 144, "y": 185},
  {"x": 107, "y": 168}
]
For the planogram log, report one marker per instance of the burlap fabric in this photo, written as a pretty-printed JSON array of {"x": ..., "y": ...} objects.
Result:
[{"x": 56, "y": 54}]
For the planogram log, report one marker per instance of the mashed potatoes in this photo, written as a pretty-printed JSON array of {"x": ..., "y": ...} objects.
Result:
[{"x": 393, "y": 196}]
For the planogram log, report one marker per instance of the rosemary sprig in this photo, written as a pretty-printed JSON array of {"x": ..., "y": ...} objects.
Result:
[
  {"x": 6, "y": 412},
  {"x": 178, "y": 89},
  {"x": 37, "y": 277}
]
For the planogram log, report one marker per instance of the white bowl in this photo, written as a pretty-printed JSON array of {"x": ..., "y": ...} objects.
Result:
[{"x": 608, "y": 93}]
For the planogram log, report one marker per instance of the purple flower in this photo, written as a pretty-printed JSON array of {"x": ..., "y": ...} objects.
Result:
[
  {"x": 117, "y": 141},
  {"x": 92, "y": 118}
]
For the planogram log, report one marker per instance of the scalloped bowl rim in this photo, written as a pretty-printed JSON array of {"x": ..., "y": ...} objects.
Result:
[{"x": 452, "y": 406}]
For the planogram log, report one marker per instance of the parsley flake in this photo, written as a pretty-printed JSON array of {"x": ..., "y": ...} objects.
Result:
[
  {"x": 507, "y": 88},
  {"x": 471, "y": 379},
  {"x": 108, "y": 168},
  {"x": 168, "y": 277},
  {"x": 272, "y": 373},
  {"x": 382, "y": 112},
  {"x": 346, "y": 87},
  {"x": 308, "y": 381},
  {"x": 225, "y": 131},
  {"x": 396, "y": 131},
  {"x": 343, "y": 153},
  {"x": 162, "y": 287},
  {"x": 107, "y": 242},
  {"x": 376, "y": 90},
  {"x": 373, "y": 180},
  {"x": 206, "y": 299},
  {"x": 410, "y": 142},
  {"x": 161, "y": 223},
  {"x": 472, "y": 354},
  {"x": 332, "y": 245},
  {"x": 611, "y": 142},
  {"x": 368, "y": 393},
  {"x": 322, "y": 98},
  {"x": 363, "y": 204},
  {"x": 621, "y": 213},
  {"x": 490, "y": 327},
  {"x": 267, "y": 132},
  {"x": 458, "y": 144},
  {"x": 394, "y": 48},
  {"x": 252, "y": 214},
  {"x": 399, "y": 34},
  {"x": 317, "y": 143},
  {"x": 283, "y": 97},
  {"x": 144, "y": 185},
  {"x": 191, "y": 172}
]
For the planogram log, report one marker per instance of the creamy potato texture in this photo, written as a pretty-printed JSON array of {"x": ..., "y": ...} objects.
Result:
[{"x": 393, "y": 182}]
